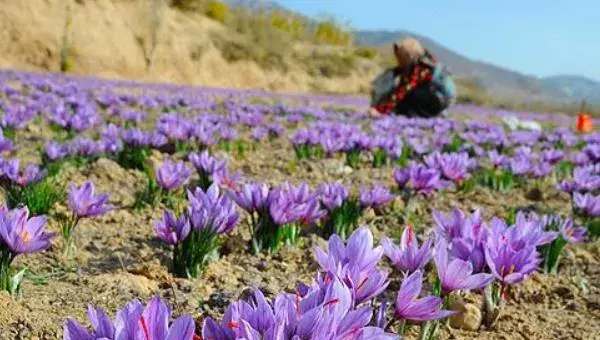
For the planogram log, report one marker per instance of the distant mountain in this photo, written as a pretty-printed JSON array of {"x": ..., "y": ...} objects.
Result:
[
  {"x": 496, "y": 80},
  {"x": 573, "y": 86}
]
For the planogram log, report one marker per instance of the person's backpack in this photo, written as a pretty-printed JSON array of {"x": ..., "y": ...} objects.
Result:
[
  {"x": 382, "y": 86},
  {"x": 445, "y": 86}
]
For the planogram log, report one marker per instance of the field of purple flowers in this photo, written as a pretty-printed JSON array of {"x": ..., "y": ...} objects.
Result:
[{"x": 152, "y": 212}]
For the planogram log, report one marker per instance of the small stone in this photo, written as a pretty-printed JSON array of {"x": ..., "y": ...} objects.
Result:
[
  {"x": 535, "y": 195},
  {"x": 369, "y": 214},
  {"x": 344, "y": 170},
  {"x": 398, "y": 203},
  {"x": 468, "y": 317},
  {"x": 262, "y": 265}
]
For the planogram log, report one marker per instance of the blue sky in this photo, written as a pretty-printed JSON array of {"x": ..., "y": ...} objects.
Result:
[{"x": 531, "y": 36}]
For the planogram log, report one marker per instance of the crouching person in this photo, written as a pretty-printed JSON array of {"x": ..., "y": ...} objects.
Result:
[{"x": 420, "y": 86}]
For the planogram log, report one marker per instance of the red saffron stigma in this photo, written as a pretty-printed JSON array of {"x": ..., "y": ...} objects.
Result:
[
  {"x": 410, "y": 234},
  {"x": 145, "y": 328},
  {"x": 297, "y": 303},
  {"x": 362, "y": 283},
  {"x": 233, "y": 324},
  {"x": 331, "y": 302}
]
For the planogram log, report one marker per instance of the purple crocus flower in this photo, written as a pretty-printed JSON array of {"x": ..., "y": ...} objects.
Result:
[
  {"x": 508, "y": 265},
  {"x": 408, "y": 257},
  {"x": 225, "y": 179},
  {"x": 332, "y": 195},
  {"x": 542, "y": 169},
  {"x": 377, "y": 197},
  {"x": 259, "y": 133},
  {"x": 401, "y": 176},
  {"x": 497, "y": 159},
  {"x": 206, "y": 163},
  {"x": 425, "y": 181},
  {"x": 31, "y": 175},
  {"x": 133, "y": 322},
  {"x": 283, "y": 208},
  {"x": 252, "y": 197},
  {"x": 212, "y": 211},
  {"x": 454, "y": 166},
  {"x": 289, "y": 204},
  {"x": 449, "y": 226},
  {"x": 111, "y": 132},
  {"x": 6, "y": 145},
  {"x": 579, "y": 158},
  {"x": 21, "y": 234},
  {"x": 593, "y": 151},
  {"x": 587, "y": 203},
  {"x": 84, "y": 203},
  {"x": 171, "y": 175},
  {"x": 409, "y": 307},
  {"x": 157, "y": 140},
  {"x": 466, "y": 235},
  {"x": 365, "y": 285},
  {"x": 552, "y": 156},
  {"x": 528, "y": 230},
  {"x": 521, "y": 165},
  {"x": 358, "y": 251},
  {"x": 571, "y": 233},
  {"x": 170, "y": 229},
  {"x": 456, "y": 274}
]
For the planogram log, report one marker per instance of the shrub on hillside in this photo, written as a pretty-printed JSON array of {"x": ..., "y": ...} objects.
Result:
[
  {"x": 330, "y": 32},
  {"x": 217, "y": 10},
  {"x": 239, "y": 50},
  {"x": 366, "y": 52},
  {"x": 291, "y": 24},
  {"x": 187, "y": 5},
  {"x": 330, "y": 65}
]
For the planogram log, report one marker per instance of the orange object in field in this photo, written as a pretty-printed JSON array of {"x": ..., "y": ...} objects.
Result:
[
  {"x": 584, "y": 123},
  {"x": 584, "y": 120}
]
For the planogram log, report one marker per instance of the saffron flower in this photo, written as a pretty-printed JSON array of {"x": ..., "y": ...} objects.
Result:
[
  {"x": 567, "y": 234},
  {"x": 252, "y": 197},
  {"x": 588, "y": 204},
  {"x": 356, "y": 263},
  {"x": 19, "y": 234},
  {"x": 133, "y": 322},
  {"x": 456, "y": 274},
  {"x": 195, "y": 236},
  {"x": 572, "y": 234},
  {"x": 408, "y": 257},
  {"x": 409, "y": 307},
  {"x": 170, "y": 229},
  {"x": 509, "y": 265},
  {"x": 377, "y": 197},
  {"x": 422, "y": 180},
  {"x": 358, "y": 251},
  {"x": 84, "y": 203},
  {"x": 206, "y": 165},
  {"x": 343, "y": 211},
  {"x": 171, "y": 176}
]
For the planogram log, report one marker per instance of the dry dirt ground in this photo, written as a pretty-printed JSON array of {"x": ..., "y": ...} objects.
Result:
[{"x": 119, "y": 259}]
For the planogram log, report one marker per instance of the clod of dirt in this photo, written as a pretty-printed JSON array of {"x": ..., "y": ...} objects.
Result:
[
  {"x": 468, "y": 317},
  {"x": 124, "y": 283},
  {"x": 535, "y": 195}
]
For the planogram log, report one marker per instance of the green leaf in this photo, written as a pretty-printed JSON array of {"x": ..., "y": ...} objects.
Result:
[
  {"x": 15, "y": 282},
  {"x": 593, "y": 227}
]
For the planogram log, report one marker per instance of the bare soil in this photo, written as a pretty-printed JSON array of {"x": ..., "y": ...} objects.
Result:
[{"x": 118, "y": 258}]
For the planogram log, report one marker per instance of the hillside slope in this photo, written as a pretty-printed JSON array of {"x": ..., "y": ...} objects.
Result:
[{"x": 110, "y": 38}]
